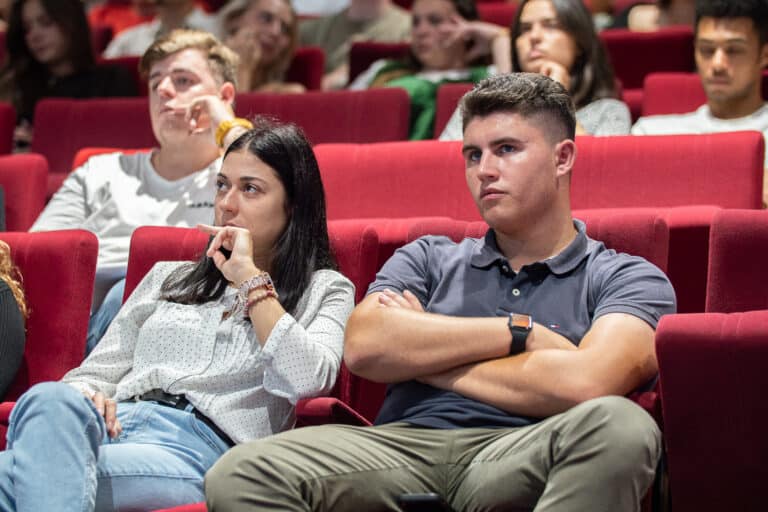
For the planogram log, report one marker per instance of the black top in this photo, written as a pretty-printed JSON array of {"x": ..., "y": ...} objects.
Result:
[
  {"x": 12, "y": 337},
  {"x": 100, "y": 81}
]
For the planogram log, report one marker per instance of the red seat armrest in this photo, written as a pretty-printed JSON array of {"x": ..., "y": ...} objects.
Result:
[{"x": 322, "y": 410}]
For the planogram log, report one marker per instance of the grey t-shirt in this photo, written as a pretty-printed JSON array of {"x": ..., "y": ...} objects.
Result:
[{"x": 565, "y": 293}]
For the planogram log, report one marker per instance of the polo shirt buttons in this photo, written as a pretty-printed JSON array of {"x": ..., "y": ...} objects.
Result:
[
  {"x": 515, "y": 292},
  {"x": 505, "y": 269}
]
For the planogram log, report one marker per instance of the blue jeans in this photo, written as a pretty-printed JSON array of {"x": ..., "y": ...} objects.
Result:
[
  {"x": 59, "y": 456},
  {"x": 102, "y": 317}
]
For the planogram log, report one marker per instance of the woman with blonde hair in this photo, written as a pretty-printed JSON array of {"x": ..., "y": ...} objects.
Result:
[{"x": 13, "y": 312}]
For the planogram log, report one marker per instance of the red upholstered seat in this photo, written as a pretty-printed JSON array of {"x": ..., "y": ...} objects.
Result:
[
  {"x": 58, "y": 268},
  {"x": 635, "y": 54},
  {"x": 738, "y": 251},
  {"x": 373, "y": 115},
  {"x": 677, "y": 93},
  {"x": 713, "y": 381},
  {"x": 63, "y": 126},
  {"x": 364, "y": 53},
  {"x": 448, "y": 96},
  {"x": 7, "y": 125},
  {"x": 23, "y": 178},
  {"x": 307, "y": 67},
  {"x": 500, "y": 13}
]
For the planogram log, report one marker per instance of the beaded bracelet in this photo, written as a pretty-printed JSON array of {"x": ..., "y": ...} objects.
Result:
[
  {"x": 260, "y": 280},
  {"x": 264, "y": 293}
]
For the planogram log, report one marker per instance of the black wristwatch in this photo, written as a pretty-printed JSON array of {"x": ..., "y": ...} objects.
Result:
[{"x": 520, "y": 326}]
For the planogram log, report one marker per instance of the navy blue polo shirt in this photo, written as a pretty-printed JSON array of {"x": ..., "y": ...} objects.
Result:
[{"x": 565, "y": 293}]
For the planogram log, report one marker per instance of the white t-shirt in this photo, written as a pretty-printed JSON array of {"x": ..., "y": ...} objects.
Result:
[
  {"x": 113, "y": 194},
  {"x": 702, "y": 121},
  {"x": 136, "y": 40}
]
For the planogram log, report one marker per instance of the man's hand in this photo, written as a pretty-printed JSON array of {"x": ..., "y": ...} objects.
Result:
[
  {"x": 107, "y": 408},
  {"x": 391, "y": 299},
  {"x": 206, "y": 113}
]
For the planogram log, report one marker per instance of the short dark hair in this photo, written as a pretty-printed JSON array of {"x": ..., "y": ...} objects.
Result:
[
  {"x": 30, "y": 76},
  {"x": 526, "y": 94},
  {"x": 756, "y": 10},
  {"x": 304, "y": 246},
  {"x": 591, "y": 74}
]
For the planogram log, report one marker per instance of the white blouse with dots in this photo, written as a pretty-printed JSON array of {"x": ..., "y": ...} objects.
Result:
[{"x": 248, "y": 390}]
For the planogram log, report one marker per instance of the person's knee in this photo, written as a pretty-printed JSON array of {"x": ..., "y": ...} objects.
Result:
[
  {"x": 627, "y": 436},
  {"x": 52, "y": 396}
]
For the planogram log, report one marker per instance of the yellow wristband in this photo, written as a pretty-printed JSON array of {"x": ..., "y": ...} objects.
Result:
[{"x": 227, "y": 125}]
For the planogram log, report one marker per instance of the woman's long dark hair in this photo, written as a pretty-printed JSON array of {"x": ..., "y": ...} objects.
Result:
[
  {"x": 302, "y": 248},
  {"x": 30, "y": 76},
  {"x": 591, "y": 74}
]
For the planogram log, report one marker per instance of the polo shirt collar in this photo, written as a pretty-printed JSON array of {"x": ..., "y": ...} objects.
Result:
[{"x": 486, "y": 252}]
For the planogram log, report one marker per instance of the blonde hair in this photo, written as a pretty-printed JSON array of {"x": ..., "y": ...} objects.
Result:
[
  {"x": 10, "y": 274},
  {"x": 222, "y": 61}
]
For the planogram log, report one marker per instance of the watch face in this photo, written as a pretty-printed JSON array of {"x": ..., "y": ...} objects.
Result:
[{"x": 521, "y": 321}]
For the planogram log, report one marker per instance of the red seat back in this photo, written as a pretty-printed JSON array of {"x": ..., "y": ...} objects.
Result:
[
  {"x": 448, "y": 96},
  {"x": 364, "y": 53},
  {"x": 23, "y": 178},
  {"x": 738, "y": 274},
  {"x": 7, "y": 125},
  {"x": 677, "y": 93},
  {"x": 499, "y": 13},
  {"x": 712, "y": 382},
  {"x": 374, "y": 115},
  {"x": 636, "y": 54},
  {"x": 307, "y": 67},
  {"x": 63, "y": 126},
  {"x": 58, "y": 268}
]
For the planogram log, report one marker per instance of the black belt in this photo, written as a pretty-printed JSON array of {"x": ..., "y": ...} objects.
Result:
[{"x": 181, "y": 402}]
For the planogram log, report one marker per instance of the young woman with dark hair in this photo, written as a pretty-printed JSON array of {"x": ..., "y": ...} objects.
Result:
[
  {"x": 50, "y": 55},
  {"x": 448, "y": 44},
  {"x": 202, "y": 355},
  {"x": 557, "y": 38}
]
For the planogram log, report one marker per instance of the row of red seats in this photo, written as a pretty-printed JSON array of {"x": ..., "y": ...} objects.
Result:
[
  {"x": 66, "y": 125},
  {"x": 426, "y": 179},
  {"x": 696, "y": 352}
]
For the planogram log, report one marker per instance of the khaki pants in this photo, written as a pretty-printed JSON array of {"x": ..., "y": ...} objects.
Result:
[{"x": 598, "y": 456}]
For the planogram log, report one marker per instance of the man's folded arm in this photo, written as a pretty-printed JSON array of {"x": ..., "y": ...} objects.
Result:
[
  {"x": 616, "y": 356},
  {"x": 394, "y": 344}
]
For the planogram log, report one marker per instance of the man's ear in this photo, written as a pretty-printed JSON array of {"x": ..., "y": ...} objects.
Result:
[
  {"x": 565, "y": 157},
  {"x": 227, "y": 92}
]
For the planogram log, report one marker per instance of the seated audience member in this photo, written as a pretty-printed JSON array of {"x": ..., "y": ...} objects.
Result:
[
  {"x": 448, "y": 44},
  {"x": 363, "y": 20},
  {"x": 13, "y": 311},
  {"x": 731, "y": 50},
  {"x": 264, "y": 35},
  {"x": 203, "y": 355},
  {"x": 557, "y": 38},
  {"x": 507, "y": 355},
  {"x": 113, "y": 194},
  {"x": 50, "y": 55},
  {"x": 647, "y": 17},
  {"x": 171, "y": 15},
  {"x": 120, "y": 16}
]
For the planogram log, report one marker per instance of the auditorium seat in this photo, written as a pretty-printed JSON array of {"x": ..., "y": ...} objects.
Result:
[
  {"x": 448, "y": 96},
  {"x": 738, "y": 250},
  {"x": 23, "y": 179},
  {"x": 677, "y": 93},
  {"x": 63, "y": 126},
  {"x": 307, "y": 67},
  {"x": 427, "y": 179},
  {"x": 364, "y": 53},
  {"x": 58, "y": 268},
  {"x": 712, "y": 382},
  {"x": 499, "y": 13},
  {"x": 636, "y": 54},
  {"x": 7, "y": 126},
  {"x": 373, "y": 115}
]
